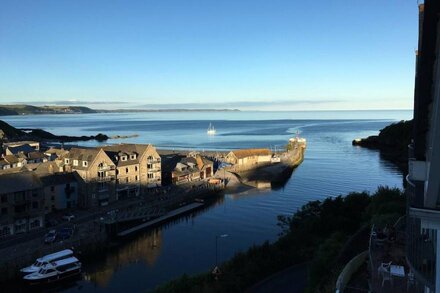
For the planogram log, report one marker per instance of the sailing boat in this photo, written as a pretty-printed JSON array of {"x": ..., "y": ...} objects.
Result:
[{"x": 211, "y": 130}]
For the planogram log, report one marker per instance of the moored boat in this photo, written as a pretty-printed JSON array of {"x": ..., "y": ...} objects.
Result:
[
  {"x": 55, "y": 271},
  {"x": 45, "y": 260},
  {"x": 211, "y": 130}
]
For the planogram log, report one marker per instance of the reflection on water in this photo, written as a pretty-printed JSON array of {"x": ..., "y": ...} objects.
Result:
[{"x": 145, "y": 248}]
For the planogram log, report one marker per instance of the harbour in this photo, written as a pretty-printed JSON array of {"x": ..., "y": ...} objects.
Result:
[{"x": 152, "y": 250}]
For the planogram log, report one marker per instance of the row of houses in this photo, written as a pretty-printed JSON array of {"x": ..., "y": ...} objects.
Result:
[{"x": 84, "y": 178}]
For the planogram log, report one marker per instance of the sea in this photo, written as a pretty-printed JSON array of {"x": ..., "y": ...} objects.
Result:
[{"x": 332, "y": 167}]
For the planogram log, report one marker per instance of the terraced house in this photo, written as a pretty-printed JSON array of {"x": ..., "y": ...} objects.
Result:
[
  {"x": 97, "y": 174},
  {"x": 21, "y": 203},
  {"x": 138, "y": 167}
]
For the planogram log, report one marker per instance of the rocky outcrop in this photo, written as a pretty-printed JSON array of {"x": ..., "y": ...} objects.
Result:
[
  {"x": 12, "y": 133},
  {"x": 392, "y": 142}
]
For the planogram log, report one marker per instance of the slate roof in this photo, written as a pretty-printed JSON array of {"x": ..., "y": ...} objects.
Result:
[
  {"x": 20, "y": 181},
  {"x": 244, "y": 153},
  {"x": 25, "y": 148},
  {"x": 118, "y": 150},
  {"x": 36, "y": 155},
  {"x": 11, "y": 159},
  {"x": 82, "y": 154},
  {"x": 57, "y": 179},
  {"x": 57, "y": 152}
]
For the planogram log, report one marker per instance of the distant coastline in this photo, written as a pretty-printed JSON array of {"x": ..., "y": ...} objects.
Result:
[{"x": 14, "y": 110}]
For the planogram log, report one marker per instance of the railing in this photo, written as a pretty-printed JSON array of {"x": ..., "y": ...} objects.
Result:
[
  {"x": 104, "y": 179},
  {"x": 349, "y": 270},
  {"x": 420, "y": 250},
  {"x": 106, "y": 168}
]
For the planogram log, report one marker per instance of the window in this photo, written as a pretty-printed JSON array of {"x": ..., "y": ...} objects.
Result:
[
  {"x": 67, "y": 161},
  {"x": 35, "y": 224},
  {"x": 150, "y": 166},
  {"x": 5, "y": 231},
  {"x": 126, "y": 170},
  {"x": 136, "y": 178},
  {"x": 150, "y": 176},
  {"x": 52, "y": 198},
  {"x": 124, "y": 158},
  {"x": 136, "y": 168},
  {"x": 117, "y": 172},
  {"x": 4, "y": 198},
  {"x": 132, "y": 157},
  {"x": 85, "y": 163},
  {"x": 75, "y": 162},
  {"x": 52, "y": 188},
  {"x": 35, "y": 205},
  {"x": 4, "y": 211},
  {"x": 34, "y": 194}
]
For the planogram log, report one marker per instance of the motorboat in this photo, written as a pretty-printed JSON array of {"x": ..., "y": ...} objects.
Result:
[
  {"x": 55, "y": 271},
  {"x": 45, "y": 260}
]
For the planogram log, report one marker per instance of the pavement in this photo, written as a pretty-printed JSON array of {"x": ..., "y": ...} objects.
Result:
[{"x": 291, "y": 280}]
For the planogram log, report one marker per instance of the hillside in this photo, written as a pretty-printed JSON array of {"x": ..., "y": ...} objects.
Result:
[
  {"x": 32, "y": 110},
  {"x": 13, "y": 134}
]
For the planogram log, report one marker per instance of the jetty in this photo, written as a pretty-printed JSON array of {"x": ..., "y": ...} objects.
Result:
[{"x": 167, "y": 216}]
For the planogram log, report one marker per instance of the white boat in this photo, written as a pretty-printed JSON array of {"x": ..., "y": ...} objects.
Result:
[
  {"x": 211, "y": 130},
  {"x": 55, "y": 271},
  {"x": 45, "y": 260}
]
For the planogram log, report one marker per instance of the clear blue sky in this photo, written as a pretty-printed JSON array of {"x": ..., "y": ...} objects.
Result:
[{"x": 297, "y": 54}]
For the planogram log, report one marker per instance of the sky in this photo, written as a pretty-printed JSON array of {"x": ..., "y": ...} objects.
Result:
[{"x": 244, "y": 54}]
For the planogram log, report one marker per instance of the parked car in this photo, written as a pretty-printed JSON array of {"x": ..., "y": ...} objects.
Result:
[
  {"x": 68, "y": 217},
  {"x": 64, "y": 233},
  {"x": 50, "y": 236}
]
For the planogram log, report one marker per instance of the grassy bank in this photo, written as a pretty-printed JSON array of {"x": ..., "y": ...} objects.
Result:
[{"x": 317, "y": 233}]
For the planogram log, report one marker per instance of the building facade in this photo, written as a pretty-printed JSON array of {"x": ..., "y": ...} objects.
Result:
[
  {"x": 249, "y": 158},
  {"x": 21, "y": 203},
  {"x": 60, "y": 191},
  {"x": 138, "y": 168},
  {"x": 423, "y": 181},
  {"x": 96, "y": 176}
]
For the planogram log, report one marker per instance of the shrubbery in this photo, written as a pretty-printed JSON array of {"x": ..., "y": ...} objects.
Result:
[{"x": 316, "y": 234}]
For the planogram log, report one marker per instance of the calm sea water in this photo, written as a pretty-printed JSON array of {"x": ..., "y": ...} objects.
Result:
[{"x": 332, "y": 166}]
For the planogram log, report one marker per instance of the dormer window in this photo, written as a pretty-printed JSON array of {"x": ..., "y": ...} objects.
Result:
[
  {"x": 67, "y": 161},
  {"x": 85, "y": 163},
  {"x": 133, "y": 157},
  {"x": 124, "y": 158},
  {"x": 75, "y": 162}
]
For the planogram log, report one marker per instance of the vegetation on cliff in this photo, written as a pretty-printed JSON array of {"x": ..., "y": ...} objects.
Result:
[
  {"x": 29, "y": 110},
  {"x": 317, "y": 234},
  {"x": 392, "y": 142},
  {"x": 13, "y": 133}
]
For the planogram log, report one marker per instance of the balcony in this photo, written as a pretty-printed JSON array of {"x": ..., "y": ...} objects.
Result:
[
  {"x": 104, "y": 179},
  {"x": 107, "y": 168},
  {"x": 421, "y": 245}
]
